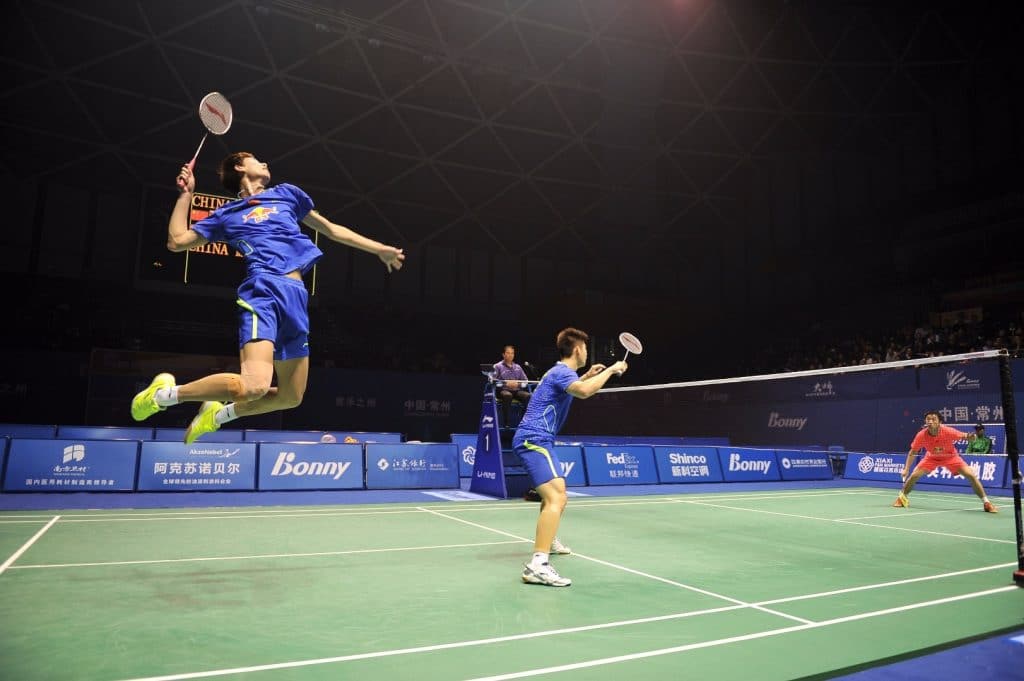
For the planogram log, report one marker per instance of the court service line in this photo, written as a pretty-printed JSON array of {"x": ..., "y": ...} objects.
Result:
[
  {"x": 735, "y": 639},
  {"x": 496, "y": 505},
  {"x": 647, "y": 575},
  {"x": 389, "y": 508},
  {"x": 24, "y": 547},
  {"x": 904, "y": 514},
  {"x": 568, "y": 630},
  {"x": 883, "y": 585},
  {"x": 850, "y": 522},
  {"x": 259, "y": 556}
]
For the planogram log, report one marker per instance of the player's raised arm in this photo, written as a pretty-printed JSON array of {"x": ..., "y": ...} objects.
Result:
[
  {"x": 595, "y": 379},
  {"x": 391, "y": 256},
  {"x": 179, "y": 236}
]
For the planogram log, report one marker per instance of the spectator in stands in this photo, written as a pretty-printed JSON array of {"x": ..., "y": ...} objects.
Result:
[
  {"x": 938, "y": 442},
  {"x": 514, "y": 386},
  {"x": 535, "y": 438},
  {"x": 979, "y": 442},
  {"x": 273, "y": 317}
]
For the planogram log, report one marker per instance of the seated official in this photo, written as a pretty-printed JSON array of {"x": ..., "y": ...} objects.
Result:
[
  {"x": 514, "y": 386},
  {"x": 979, "y": 443}
]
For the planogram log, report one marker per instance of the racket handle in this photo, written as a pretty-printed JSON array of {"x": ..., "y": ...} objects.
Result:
[
  {"x": 191, "y": 164},
  {"x": 625, "y": 356}
]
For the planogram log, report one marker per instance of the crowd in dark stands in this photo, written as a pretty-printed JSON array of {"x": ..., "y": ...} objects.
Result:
[{"x": 910, "y": 342}]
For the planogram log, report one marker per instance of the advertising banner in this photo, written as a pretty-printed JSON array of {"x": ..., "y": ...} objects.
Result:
[
  {"x": 741, "y": 464},
  {"x": 803, "y": 465},
  {"x": 58, "y": 465},
  {"x": 990, "y": 470},
  {"x": 290, "y": 465},
  {"x": 175, "y": 466},
  {"x": 465, "y": 444},
  {"x": 887, "y": 467},
  {"x": 624, "y": 465},
  {"x": 688, "y": 464},
  {"x": 571, "y": 459},
  {"x": 411, "y": 466}
]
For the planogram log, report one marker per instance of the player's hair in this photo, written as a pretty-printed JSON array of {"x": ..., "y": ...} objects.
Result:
[
  {"x": 506, "y": 347},
  {"x": 568, "y": 338},
  {"x": 229, "y": 177},
  {"x": 937, "y": 415}
]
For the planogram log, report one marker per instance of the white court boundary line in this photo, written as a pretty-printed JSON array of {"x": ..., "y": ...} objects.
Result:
[
  {"x": 850, "y": 522},
  {"x": 259, "y": 556},
  {"x": 570, "y": 630},
  {"x": 24, "y": 547},
  {"x": 623, "y": 568}
]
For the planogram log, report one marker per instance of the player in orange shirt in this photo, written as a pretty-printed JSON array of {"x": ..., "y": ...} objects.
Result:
[{"x": 937, "y": 441}]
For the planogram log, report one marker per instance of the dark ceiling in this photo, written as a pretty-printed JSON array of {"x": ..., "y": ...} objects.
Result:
[{"x": 510, "y": 126}]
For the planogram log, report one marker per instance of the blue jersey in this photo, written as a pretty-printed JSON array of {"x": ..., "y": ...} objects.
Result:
[
  {"x": 549, "y": 405},
  {"x": 265, "y": 229}
]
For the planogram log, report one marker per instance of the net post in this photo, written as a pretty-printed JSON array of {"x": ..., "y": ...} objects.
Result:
[{"x": 1013, "y": 454}]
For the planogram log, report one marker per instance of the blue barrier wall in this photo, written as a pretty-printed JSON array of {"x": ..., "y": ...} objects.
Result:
[
  {"x": 175, "y": 466},
  {"x": 57, "y": 465},
  {"x": 310, "y": 466}
]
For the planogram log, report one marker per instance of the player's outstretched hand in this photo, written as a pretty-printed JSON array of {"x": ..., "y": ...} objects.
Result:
[
  {"x": 392, "y": 257},
  {"x": 594, "y": 370}
]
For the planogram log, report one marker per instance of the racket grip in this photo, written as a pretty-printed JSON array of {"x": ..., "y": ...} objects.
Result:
[{"x": 181, "y": 183}]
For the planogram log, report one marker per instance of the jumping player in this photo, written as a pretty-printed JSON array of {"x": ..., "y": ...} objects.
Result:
[
  {"x": 263, "y": 225},
  {"x": 937, "y": 441},
  {"x": 535, "y": 438}
]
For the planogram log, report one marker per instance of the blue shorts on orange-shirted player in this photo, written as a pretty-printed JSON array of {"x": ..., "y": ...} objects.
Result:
[{"x": 273, "y": 307}]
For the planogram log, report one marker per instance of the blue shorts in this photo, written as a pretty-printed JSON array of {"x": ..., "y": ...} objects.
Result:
[
  {"x": 273, "y": 308},
  {"x": 539, "y": 459}
]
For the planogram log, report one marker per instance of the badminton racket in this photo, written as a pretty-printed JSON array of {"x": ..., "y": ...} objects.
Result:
[
  {"x": 631, "y": 343},
  {"x": 215, "y": 113}
]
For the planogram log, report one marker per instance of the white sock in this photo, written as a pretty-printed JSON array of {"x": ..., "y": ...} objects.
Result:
[
  {"x": 166, "y": 397},
  {"x": 539, "y": 558},
  {"x": 985, "y": 500},
  {"x": 225, "y": 414}
]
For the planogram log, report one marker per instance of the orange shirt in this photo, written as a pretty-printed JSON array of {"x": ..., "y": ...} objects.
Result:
[{"x": 939, "y": 446}]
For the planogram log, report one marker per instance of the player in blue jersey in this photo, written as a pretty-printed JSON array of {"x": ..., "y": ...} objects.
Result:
[
  {"x": 535, "y": 438},
  {"x": 262, "y": 225}
]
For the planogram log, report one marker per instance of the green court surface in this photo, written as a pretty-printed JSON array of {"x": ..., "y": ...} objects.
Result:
[{"x": 737, "y": 585}]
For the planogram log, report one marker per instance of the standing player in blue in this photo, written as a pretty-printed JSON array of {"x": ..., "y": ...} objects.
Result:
[
  {"x": 535, "y": 438},
  {"x": 262, "y": 225}
]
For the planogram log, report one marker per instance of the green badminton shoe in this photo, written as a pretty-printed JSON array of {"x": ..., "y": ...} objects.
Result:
[
  {"x": 204, "y": 422},
  {"x": 144, "y": 404}
]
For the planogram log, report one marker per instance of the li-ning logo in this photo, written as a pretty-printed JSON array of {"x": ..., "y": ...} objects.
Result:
[
  {"x": 958, "y": 380},
  {"x": 74, "y": 453}
]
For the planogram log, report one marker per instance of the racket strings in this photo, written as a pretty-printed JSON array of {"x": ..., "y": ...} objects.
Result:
[{"x": 215, "y": 113}]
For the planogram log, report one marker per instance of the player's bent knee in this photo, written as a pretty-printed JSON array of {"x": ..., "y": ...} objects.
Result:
[
  {"x": 247, "y": 390},
  {"x": 291, "y": 401}
]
